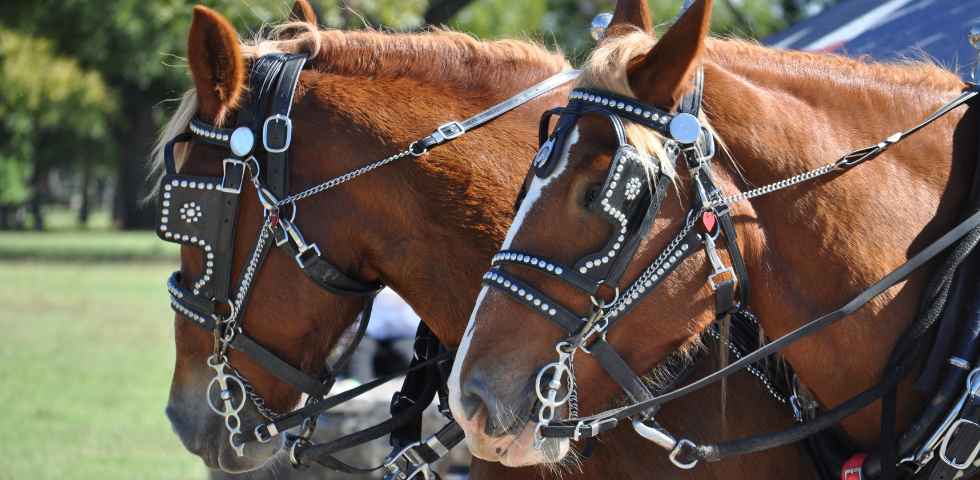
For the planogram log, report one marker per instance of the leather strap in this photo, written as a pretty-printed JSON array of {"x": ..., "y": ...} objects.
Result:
[
  {"x": 876, "y": 289},
  {"x": 452, "y": 130},
  {"x": 277, "y": 129},
  {"x": 852, "y": 468}
]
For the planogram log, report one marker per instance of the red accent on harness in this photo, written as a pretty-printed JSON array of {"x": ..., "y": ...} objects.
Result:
[
  {"x": 275, "y": 220},
  {"x": 709, "y": 221},
  {"x": 852, "y": 468}
]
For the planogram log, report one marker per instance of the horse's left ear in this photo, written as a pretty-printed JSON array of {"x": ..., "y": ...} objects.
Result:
[
  {"x": 629, "y": 15},
  {"x": 663, "y": 76},
  {"x": 216, "y": 62},
  {"x": 302, "y": 12}
]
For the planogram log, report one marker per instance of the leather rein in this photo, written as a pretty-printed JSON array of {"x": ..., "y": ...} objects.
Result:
[{"x": 201, "y": 212}]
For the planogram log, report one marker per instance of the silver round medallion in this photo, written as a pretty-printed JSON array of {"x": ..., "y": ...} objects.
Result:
[
  {"x": 241, "y": 141},
  {"x": 975, "y": 35},
  {"x": 685, "y": 128},
  {"x": 599, "y": 24}
]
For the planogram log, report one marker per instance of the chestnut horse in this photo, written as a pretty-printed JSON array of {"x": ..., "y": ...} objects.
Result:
[
  {"x": 425, "y": 226},
  {"x": 809, "y": 248}
]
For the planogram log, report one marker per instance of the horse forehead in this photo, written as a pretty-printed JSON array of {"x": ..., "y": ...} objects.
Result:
[{"x": 536, "y": 190}]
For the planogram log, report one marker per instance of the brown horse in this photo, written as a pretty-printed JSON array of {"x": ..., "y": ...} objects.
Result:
[
  {"x": 809, "y": 248},
  {"x": 425, "y": 226}
]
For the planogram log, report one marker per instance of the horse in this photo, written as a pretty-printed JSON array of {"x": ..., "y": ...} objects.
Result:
[
  {"x": 424, "y": 226},
  {"x": 808, "y": 248}
]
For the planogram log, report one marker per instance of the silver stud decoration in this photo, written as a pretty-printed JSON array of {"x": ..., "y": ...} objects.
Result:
[
  {"x": 190, "y": 212},
  {"x": 633, "y": 188}
]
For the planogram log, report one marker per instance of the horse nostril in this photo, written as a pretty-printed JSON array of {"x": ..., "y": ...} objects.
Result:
[{"x": 474, "y": 396}]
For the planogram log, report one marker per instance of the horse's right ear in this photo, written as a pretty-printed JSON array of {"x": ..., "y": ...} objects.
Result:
[
  {"x": 663, "y": 76},
  {"x": 302, "y": 12},
  {"x": 629, "y": 15},
  {"x": 215, "y": 60}
]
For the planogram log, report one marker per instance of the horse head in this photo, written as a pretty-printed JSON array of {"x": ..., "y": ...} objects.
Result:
[
  {"x": 361, "y": 97},
  {"x": 581, "y": 243}
]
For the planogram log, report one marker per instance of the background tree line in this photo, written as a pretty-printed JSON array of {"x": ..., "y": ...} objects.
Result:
[{"x": 86, "y": 84}]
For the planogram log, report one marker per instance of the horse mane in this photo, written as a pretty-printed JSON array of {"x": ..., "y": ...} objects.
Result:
[
  {"x": 606, "y": 69},
  {"x": 910, "y": 70},
  {"x": 432, "y": 56}
]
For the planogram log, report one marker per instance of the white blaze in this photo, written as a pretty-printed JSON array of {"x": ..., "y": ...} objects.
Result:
[{"x": 533, "y": 194}]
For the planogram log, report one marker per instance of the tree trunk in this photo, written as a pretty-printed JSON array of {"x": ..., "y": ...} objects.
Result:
[
  {"x": 135, "y": 146},
  {"x": 88, "y": 164},
  {"x": 441, "y": 12},
  {"x": 37, "y": 181}
]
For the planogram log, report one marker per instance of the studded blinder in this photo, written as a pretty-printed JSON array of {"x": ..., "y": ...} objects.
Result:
[{"x": 201, "y": 212}]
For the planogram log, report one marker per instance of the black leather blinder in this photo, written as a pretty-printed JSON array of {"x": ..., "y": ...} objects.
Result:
[{"x": 201, "y": 212}]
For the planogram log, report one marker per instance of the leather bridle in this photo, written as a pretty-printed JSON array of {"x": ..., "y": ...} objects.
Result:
[
  {"x": 201, "y": 212},
  {"x": 631, "y": 206}
]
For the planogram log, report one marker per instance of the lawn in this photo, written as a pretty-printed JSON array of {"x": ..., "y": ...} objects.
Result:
[{"x": 86, "y": 358}]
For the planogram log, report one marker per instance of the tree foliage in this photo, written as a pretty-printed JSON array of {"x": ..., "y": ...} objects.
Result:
[
  {"x": 49, "y": 107},
  {"x": 82, "y": 74}
]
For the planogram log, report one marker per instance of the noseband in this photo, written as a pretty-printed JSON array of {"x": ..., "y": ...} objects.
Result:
[{"x": 201, "y": 212}]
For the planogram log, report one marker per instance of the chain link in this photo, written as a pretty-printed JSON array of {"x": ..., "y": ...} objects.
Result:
[
  {"x": 639, "y": 286},
  {"x": 231, "y": 323},
  {"x": 772, "y": 187},
  {"x": 343, "y": 178}
]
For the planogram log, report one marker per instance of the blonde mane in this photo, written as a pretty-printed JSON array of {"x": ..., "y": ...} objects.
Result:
[
  {"x": 605, "y": 69},
  {"x": 434, "y": 56}
]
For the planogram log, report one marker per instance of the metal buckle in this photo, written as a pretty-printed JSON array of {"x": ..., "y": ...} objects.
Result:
[
  {"x": 265, "y": 133},
  {"x": 269, "y": 428},
  {"x": 942, "y": 450},
  {"x": 414, "y": 465},
  {"x": 224, "y": 178},
  {"x": 716, "y": 264},
  {"x": 299, "y": 255},
  {"x": 711, "y": 278},
  {"x": 853, "y": 471},
  {"x": 448, "y": 131},
  {"x": 677, "y": 450}
]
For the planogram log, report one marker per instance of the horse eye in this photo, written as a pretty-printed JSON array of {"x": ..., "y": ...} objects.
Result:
[{"x": 591, "y": 196}]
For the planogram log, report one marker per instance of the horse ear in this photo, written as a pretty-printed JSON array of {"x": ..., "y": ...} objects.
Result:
[
  {"x": 663, "y": 75},
  {"x": 629, "y": 14},
  {"x": 215, "y": 61},
  {"x": 302, "y": 12}
]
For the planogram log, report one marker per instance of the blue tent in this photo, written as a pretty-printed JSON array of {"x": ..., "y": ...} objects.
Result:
[{"x": 890, "y": 29}]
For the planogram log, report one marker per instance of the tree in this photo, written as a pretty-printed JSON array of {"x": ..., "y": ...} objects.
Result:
[{"x": 48, "y": 120}]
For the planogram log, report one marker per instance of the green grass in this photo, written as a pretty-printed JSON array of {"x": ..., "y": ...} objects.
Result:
[
  {"x": 86, "y": 359},
  {"x": 86, "y": 245}
]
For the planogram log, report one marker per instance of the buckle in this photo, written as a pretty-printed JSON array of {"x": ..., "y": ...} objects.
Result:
[
  {"x": 299, "y": 256},
  {"x": 677, "y": 450},
  {"x": 414, "y": 464},
  {"x": 448, "y": 131},
  {"x": 715, "y": 284},
  {"x": 265, "y": 133},
  {"x": 949, "y": 434},
  {"x": 271, "y": 431},
  {"x": 236, "y": 187}
]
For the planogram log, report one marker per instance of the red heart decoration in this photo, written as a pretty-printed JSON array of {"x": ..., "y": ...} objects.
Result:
[
  {"x": 275, "y": 220},
  {"x": 709, "y": 221}
]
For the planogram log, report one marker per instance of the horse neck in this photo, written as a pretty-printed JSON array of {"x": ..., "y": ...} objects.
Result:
[
  {"x": 813, "y": 247},
  {"x": 460, "y": 202}
]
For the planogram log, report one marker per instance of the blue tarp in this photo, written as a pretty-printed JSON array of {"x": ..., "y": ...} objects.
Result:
[{"x": 890, "y": 29}]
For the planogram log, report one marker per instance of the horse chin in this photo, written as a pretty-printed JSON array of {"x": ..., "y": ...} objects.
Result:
[
  {"x": 514, "y": 451},
  {"x": 203, "y": 433},
  {"x": 522, "y": 452}
]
